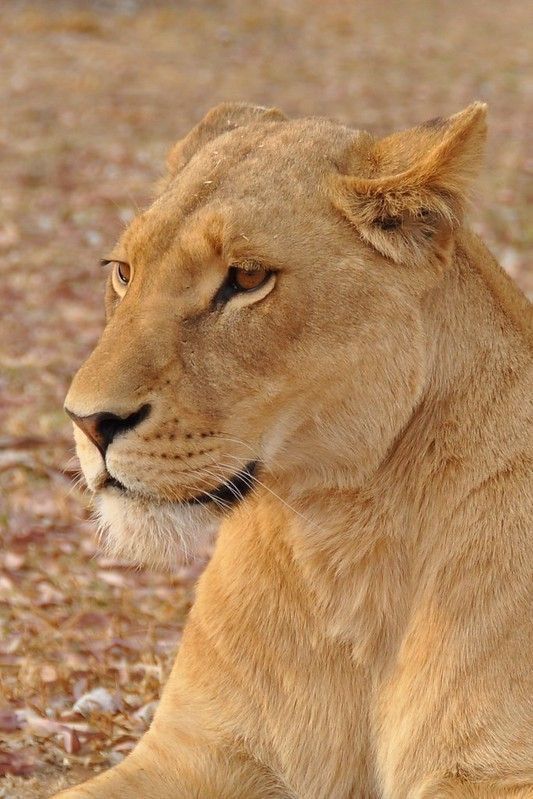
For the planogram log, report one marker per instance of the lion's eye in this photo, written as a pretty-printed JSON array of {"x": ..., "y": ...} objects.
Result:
[
  {"x": 244, "y": 284},
  {"x": 243, "y": 279},
  {"x": 121, "y": 276},
  {"x": 123, "y": 273}
]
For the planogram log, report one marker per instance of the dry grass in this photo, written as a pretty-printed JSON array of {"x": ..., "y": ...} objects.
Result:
[{"x": 92, "y": 96}]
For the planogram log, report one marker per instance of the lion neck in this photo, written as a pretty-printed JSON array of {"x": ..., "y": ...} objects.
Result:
[{"x": 363, "y": 547}]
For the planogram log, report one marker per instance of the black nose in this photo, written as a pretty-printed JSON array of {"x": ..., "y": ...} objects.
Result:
[{"x": 101, "y": 428}]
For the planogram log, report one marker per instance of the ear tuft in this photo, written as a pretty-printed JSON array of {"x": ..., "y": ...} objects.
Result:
[
  {"x": 219, "y": 120},
  {"x": 415, "y": 184}
]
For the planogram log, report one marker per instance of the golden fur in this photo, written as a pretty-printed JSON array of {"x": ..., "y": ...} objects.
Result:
[{"x": 363, "y": 629}]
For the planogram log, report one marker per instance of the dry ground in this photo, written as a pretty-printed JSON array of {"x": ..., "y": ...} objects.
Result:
[{"x": 92, "y": 95}]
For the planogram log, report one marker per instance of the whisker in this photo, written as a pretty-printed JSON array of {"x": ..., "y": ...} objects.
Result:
[
  {"x": 222, "y": 503},
  {"x": 274, "y": 494},
  {"x": 223, "y": 478},
  {"x": 234, "y": 440},
  {"x": 201, "y": 490},
  {"x": 242, "y": 460}
]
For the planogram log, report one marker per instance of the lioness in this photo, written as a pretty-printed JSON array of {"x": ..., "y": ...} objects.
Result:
[{"x": 307, "y": 348}]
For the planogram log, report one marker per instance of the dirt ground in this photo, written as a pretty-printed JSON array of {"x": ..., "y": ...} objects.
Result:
[{"x": 92, "y": 96}]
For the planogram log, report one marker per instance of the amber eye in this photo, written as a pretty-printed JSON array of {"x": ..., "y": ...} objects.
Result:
[
  {"x": 120, "y": 276},
  {"x": 242, "y": 279},
  {"x": 122, "y": 273},
  {"x": 248, "y": 279}
]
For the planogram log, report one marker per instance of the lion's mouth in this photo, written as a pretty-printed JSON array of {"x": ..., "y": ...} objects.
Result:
[
  {"x": 225, "y": 495},
  {"x": 112, "y": 482}
]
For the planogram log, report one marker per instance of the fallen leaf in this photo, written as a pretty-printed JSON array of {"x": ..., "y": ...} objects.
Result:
[
  {"x": 99, "y": 699},
  {"x": 21, "y": 762},
  {"x": 145, "y": 713},
  {"x": 48, "y": 673},
  {"x": 13, "y": 561},
  {"x": 9, "y": 720},
  {"x": 71, "y": 742}
]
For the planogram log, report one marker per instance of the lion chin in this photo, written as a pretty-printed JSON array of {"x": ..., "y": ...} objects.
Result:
[{"x": 155, "y": 534}]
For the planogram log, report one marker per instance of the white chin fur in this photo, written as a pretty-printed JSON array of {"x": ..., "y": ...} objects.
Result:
[{"x": 157, "y": 535}]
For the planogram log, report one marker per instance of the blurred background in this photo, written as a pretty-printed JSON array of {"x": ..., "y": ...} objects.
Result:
[{"x": 92, "y": 95}]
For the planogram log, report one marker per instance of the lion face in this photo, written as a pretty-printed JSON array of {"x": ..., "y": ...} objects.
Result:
[{"x": 253, "y": 333}]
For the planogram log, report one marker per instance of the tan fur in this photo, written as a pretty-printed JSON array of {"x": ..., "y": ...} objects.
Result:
[{"x": 363, "y": 629}]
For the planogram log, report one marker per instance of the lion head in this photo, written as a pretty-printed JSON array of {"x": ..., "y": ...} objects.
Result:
[{"x": 265, "y": 318}]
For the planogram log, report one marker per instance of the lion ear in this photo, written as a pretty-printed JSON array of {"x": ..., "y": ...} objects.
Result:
[
  {"x": 414, "y": 184},
  {"x": 219, "y": 120}
]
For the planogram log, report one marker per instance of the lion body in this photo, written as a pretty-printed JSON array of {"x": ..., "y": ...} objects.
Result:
[{"x": 363, "y": 629}]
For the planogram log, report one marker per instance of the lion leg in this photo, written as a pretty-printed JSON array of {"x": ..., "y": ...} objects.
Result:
[
  {"x": 153, "y": 771},
  {"x": 454, "y": 788}
]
